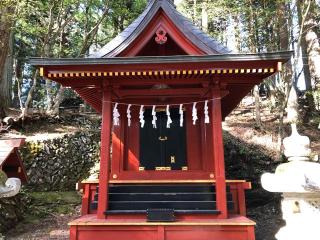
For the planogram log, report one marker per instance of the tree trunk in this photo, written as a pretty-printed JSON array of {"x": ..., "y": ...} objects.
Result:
[
  {"x": 5, "y": 32},
  {"x": 204, "y": 21},
  {"x": 6, "y": 83},
  {"x": 307, "y": 38},
  {"x": 287, "y": 75},
  {"x": 257, "y": 106},
  {"x": 313, "y": 47},
  {"x": 195, "y": 11},
  {"x": 253, "y": 48},
  {"x": 30, "y": 95},
  {"x": 57, "y": 101}
]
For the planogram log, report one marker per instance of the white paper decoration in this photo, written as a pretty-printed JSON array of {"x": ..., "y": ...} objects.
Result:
[
  {"x": 141, "y": 116},
  {"x": 116, "y": 115},
  {"x": 169, "y": 120},
  {"x": 194, "y": 113},
  {"x": 154, "y": 117},
  {"x": 129, "y": 115},
  {"x": 181, "y": 115},
  {"x": 206, "y": 113}
]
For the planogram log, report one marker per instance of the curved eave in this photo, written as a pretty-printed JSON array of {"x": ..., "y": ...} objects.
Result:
[
  {"x": 240, "y": 72},
  {"x": 276, "y": 56}
]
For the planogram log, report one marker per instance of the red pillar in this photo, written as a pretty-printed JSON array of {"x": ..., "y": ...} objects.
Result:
[
  {"x": 218, "y": 154},
  {"x": 105, "y": 154},
  {"x": 85, "y": 199}
]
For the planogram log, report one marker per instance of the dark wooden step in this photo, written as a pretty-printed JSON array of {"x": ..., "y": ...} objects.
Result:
[
  {"x": 162, "y": 196},
  {"x": 183, "y": 211},
  {"x": 183, "y": 198},
  {"x": 142, "y": 205},
  {"x": 94, "y": 206},
  {"x": 147, "y": 188}
]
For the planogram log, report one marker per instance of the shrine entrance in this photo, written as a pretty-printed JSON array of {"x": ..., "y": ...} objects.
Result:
[{"x": 163, "y": 148}]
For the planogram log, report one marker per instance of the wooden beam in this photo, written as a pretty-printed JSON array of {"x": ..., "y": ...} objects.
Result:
[
  {"x": 157, "y": 80},
  {"x": 160, "y": 92},
  {"x": 96, "y": 181}
]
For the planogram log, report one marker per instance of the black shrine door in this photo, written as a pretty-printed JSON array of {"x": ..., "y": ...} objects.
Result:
[{"x": 163, "y": 148}]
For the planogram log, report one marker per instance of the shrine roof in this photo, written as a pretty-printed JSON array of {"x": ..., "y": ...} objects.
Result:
[
  {"x": 237, "y": 72},
  {"x": 200, "y": 39},
  {"x": 279, "y": 56}
]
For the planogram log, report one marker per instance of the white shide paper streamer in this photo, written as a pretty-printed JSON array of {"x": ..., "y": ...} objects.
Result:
[
  {"x": 194, "y": 113},
  {"x": 141, "y": 116},
  {"x": 154, "y": 117},
  {"x": 116, "y": 115},
  {"x": 129, "y": 115},
  {"x": 169, "y": 120},
  {"x": 206, "y": 113},
  {"x": 181, "y": 115}
]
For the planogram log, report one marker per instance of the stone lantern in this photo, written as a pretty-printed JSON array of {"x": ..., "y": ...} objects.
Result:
[
  {"x": 299, "y": 182},
  {"x": 9, "y": 187}
]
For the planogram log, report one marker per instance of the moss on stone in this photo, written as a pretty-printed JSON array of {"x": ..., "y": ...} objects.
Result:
[{"x": 3, "y": 178}]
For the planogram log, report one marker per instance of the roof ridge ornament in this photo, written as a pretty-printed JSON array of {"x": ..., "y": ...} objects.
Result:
[
  {"x": 161, "y": 37},
  {"x": 170, "y": 1}
]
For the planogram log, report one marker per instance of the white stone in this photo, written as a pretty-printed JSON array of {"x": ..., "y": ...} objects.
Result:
[
  {"x": 11, "y": 188},
  {"x": 302, "y": 215},
  {"x": 295, "y": 176},
  {"x": 297, "y": 147},
  {"x": 299, "y": 181}
]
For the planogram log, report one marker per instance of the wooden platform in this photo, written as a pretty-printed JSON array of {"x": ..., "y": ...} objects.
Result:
[{"x": 233, "y": 228}]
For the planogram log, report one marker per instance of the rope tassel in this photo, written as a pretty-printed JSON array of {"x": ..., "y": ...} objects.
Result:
[{"x": 116, "y": 115}]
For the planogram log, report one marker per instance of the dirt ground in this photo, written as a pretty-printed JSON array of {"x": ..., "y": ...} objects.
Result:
[{"x": 52, "y": 227}]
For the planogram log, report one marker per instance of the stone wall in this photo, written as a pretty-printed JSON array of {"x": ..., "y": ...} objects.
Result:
[
  {"x": 58, "y": 164},
  {"x": 51, "y": 165}
]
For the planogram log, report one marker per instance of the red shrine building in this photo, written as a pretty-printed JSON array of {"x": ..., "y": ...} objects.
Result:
[{"x": 163, "y": 88}]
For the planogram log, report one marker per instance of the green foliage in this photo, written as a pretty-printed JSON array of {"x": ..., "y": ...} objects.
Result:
[
  {"x": 65, "y": 28},
  {"x": 3, "y": 177},
  {"x": 42, "y": 204},
  {"x": 254, "y": 22}
]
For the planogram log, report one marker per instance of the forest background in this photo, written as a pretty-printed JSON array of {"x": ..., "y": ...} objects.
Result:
[{"x": 75, "y": 28}]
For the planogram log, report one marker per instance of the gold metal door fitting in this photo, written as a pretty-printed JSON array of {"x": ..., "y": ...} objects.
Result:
[
  {"x": 162, "y": 139},
  {"x": 173, "y": 159},
  {"x": 163, "y": 168}
]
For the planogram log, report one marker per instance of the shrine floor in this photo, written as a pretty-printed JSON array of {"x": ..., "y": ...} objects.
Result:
[{"x": 89, "y": 227}]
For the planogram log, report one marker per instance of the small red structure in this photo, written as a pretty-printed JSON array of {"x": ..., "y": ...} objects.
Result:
[
  {"x": 160, "y": 182},
  {"x": 10, "y": 161}
]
